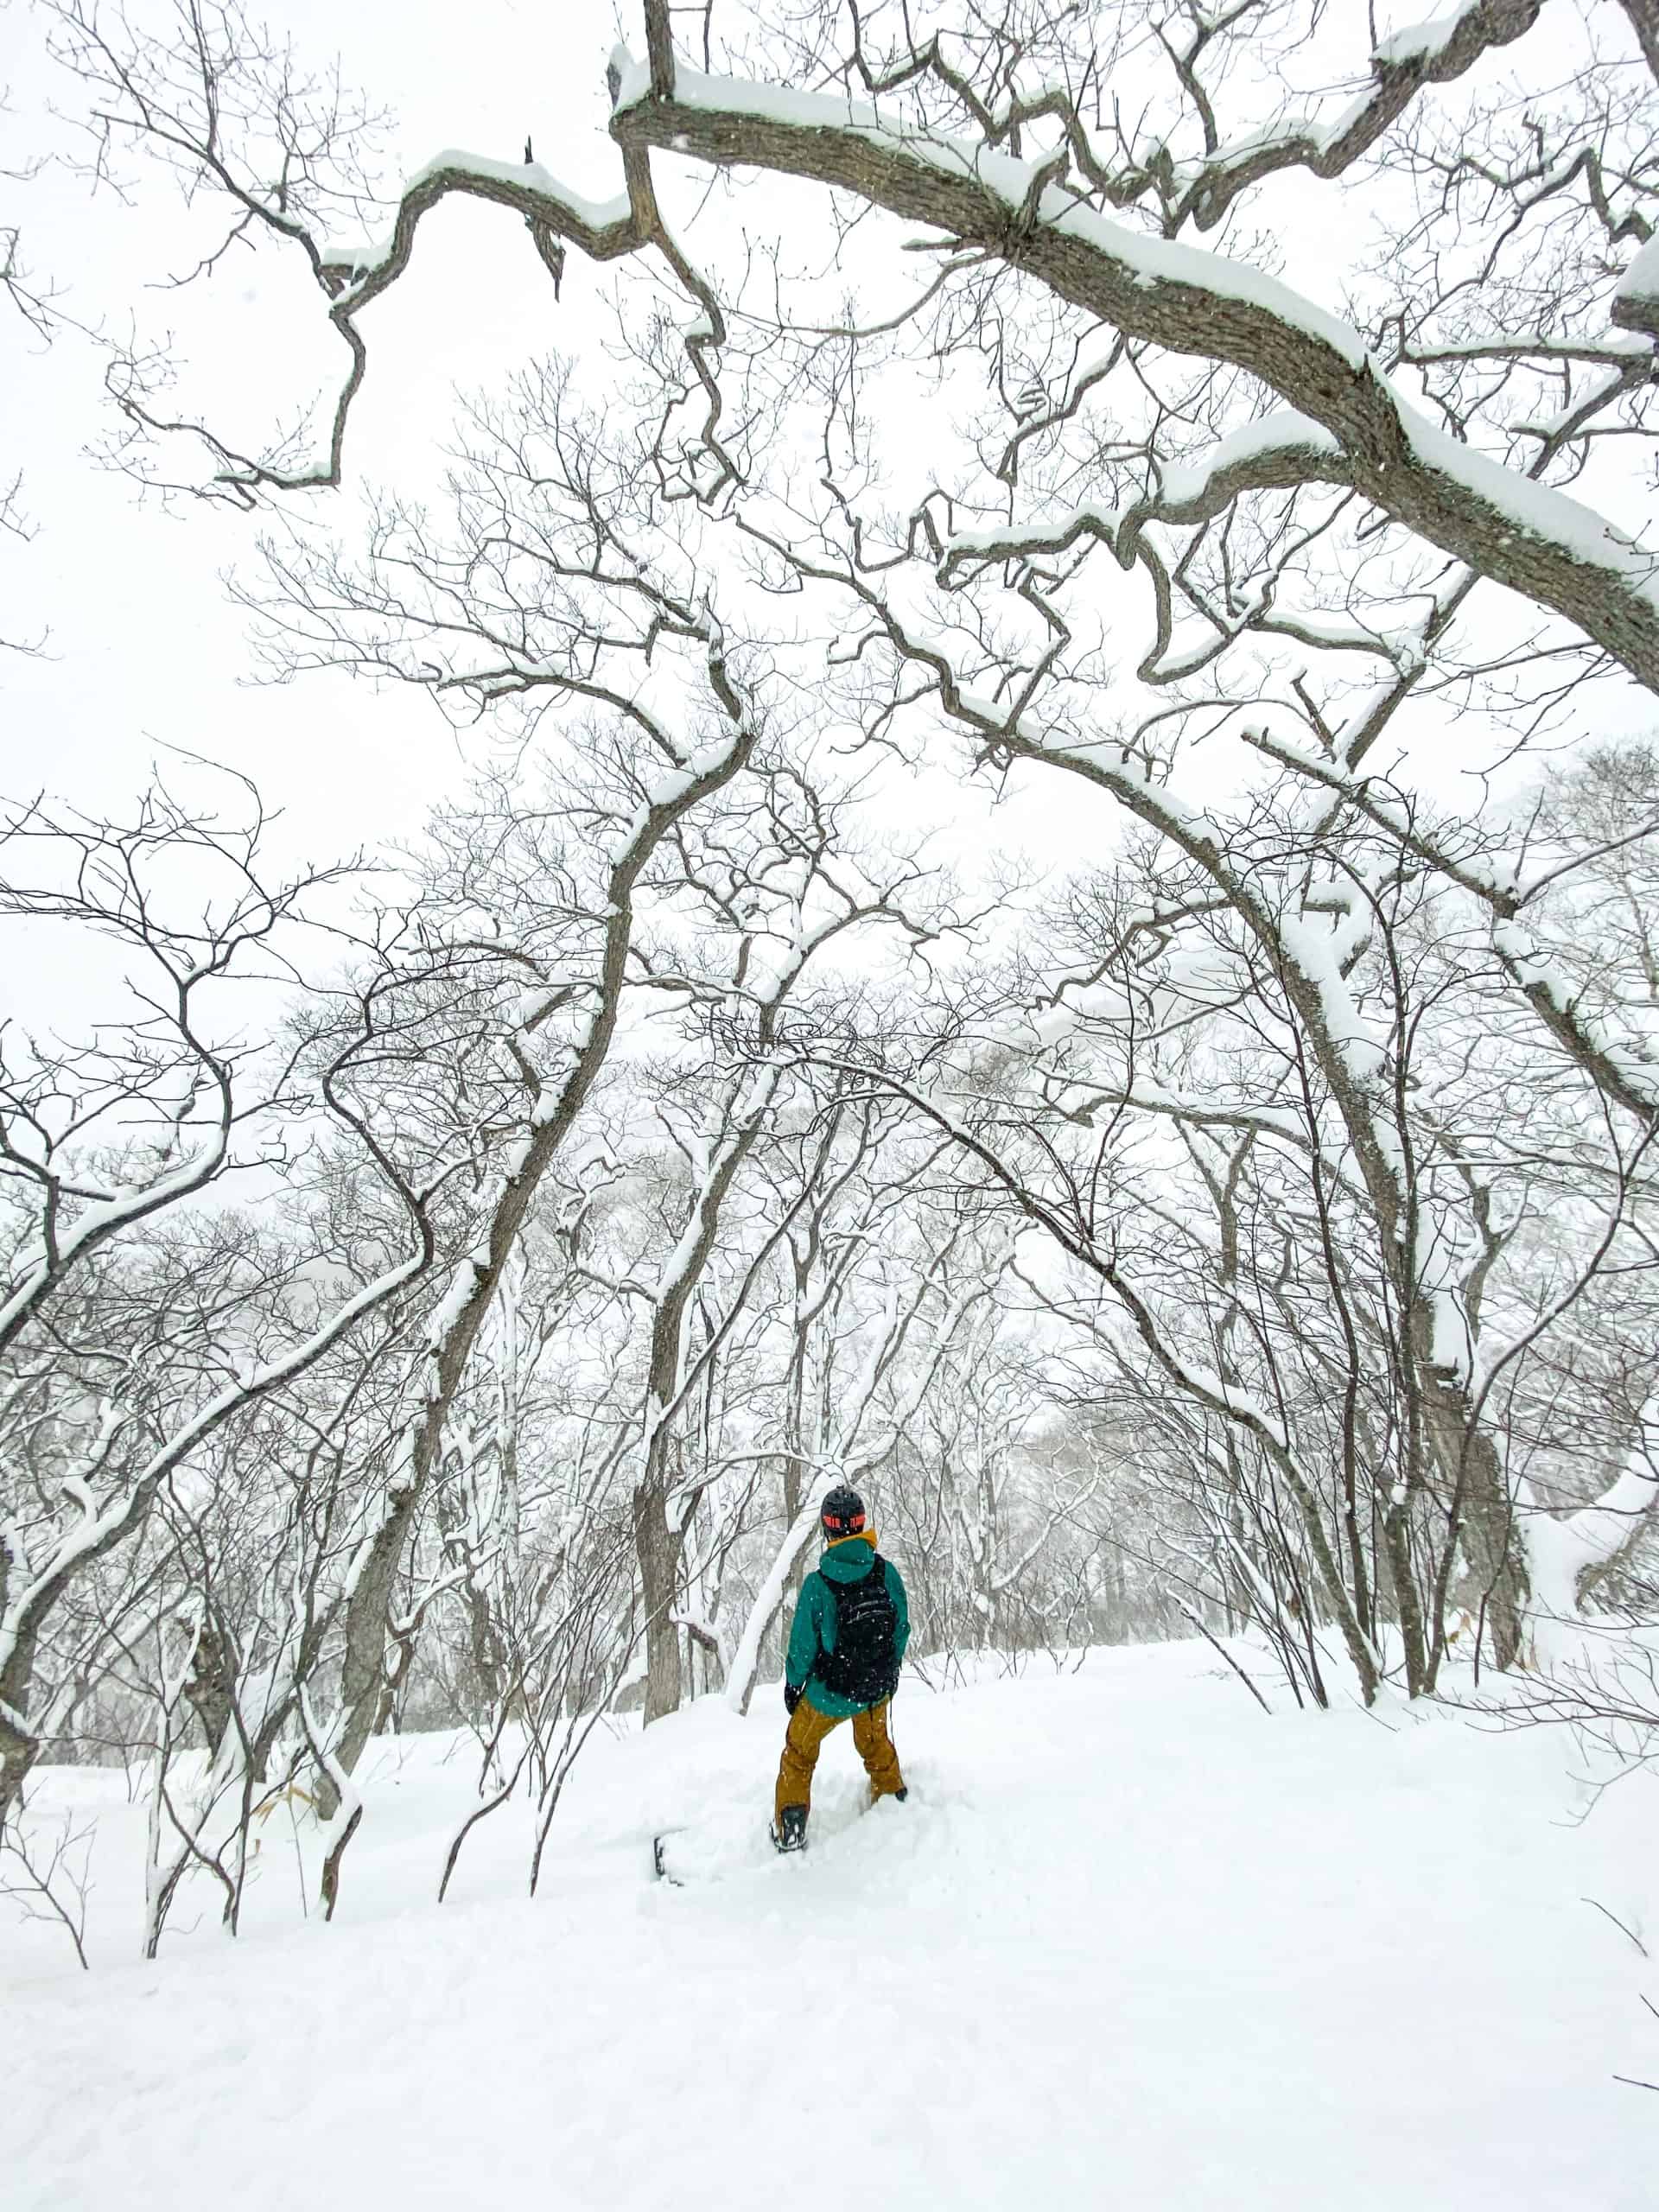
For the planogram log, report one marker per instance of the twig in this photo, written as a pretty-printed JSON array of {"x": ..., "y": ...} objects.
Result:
[
  {"x": 1618, "y": 1924},
  {"x": 37, "y": 1884},
  {"x": 1182, "y": 1607}
]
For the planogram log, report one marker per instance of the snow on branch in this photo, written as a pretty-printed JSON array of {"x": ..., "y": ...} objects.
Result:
[
  {"x": 101, "y": 1527},
  {"x": 1627, "y": 1080},
  {"x": 1636, "y": 303},
  {"x": 603, "y": 229},
  {"x": 1278, "y": 452},
  {"x": 1534, "y": 539},
  {"x": 1567, "y": 1557}
]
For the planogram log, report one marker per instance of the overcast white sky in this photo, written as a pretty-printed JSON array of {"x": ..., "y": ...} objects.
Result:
[{"x": 145, "y": 646}]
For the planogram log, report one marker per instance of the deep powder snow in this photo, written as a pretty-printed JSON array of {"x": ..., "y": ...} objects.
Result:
[{"x": 1131, "y": 1943}]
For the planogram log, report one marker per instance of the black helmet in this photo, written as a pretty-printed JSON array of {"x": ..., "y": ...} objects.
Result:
[{"x": 842, "y": 1514}]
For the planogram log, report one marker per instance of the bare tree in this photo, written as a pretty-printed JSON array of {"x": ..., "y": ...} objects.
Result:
[
  {"x": 102, "y": 1144},
  {"x": 1252, "y": 1235}
]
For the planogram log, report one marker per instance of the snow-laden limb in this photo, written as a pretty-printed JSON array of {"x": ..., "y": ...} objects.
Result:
[
  {"x": 1534, "y": 540},
  {"x": 1517, "y": 506},
  {"x": 1432, "y": 40},
  {"x": 103, "y": 1524},
  {"x": 739, "y": 1683},
  {"x": 1436, "y": 52},
  {"x": 1631, "y": 1082},
  {"x": 286, "y": 162},
  {"x": 341, "y": 1824},
  {"x": 930, "y": 178},
  {"x": 706, "y": 1631},
  {"x": 602, "y": 229},
  {"x": 1284, "y": 1125},
  {"x": 1277, "y": 452},
  {"x": 354, "y": 276},
  {"x": 1636, "y": 303},
  {"x": 1202, "y": 190},
  {"x": 46, "y": 1262},
  {"x": 1568, "y": 1555},
  {"x": 966, "y": 551}
]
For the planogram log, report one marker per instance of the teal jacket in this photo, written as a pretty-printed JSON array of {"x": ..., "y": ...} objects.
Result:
[{"x": 814, "y": 1626}]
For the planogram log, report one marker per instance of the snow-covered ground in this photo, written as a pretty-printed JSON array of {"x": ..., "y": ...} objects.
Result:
[{"x": 1131, "y": 1943}]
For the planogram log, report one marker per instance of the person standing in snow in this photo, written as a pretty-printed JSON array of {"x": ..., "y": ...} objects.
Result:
[{"x": 852, "y": 1622}]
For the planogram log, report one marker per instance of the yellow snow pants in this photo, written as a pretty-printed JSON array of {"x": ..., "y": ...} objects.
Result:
[{"x": 808, "y": 1729}]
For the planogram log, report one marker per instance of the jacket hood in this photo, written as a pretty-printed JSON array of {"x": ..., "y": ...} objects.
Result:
[{"x": 849, "y": 1559}]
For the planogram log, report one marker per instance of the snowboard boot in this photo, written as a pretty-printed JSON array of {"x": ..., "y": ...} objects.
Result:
[{"x": 790, "y": 1833}]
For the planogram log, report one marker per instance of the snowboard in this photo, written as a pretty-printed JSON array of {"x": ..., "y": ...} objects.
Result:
[
  {"x": 711, "y": 1852},
  {"x": 734, "y": 1843}
]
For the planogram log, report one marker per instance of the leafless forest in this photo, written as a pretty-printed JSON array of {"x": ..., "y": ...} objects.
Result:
[{"x": 437, "y": 1292}]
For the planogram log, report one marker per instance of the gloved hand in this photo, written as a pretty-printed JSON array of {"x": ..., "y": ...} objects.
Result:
[{"x": 792, "y": 1696}]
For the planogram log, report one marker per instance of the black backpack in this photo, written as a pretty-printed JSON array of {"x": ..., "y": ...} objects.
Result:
[{"x": 866, "y": 1622}]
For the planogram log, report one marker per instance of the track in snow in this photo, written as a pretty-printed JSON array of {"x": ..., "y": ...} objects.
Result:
[{"x": 1130, "y": 1943}]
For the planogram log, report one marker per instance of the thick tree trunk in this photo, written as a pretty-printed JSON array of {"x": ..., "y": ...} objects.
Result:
[
  {"x": 485, "y": 1649},
  {"x": 1483, "y": 1510},
  {"x": 985, "y": 1555},
  {"x": 19, "y": 1745},
  {"x": 659, "y": 1549},
  {"x": 18, "y": 1752},
  {"x": 368, "y": 1612},
  {"x": 1407, "y": 1605},
  {"x": 210, "y": 1690}
]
